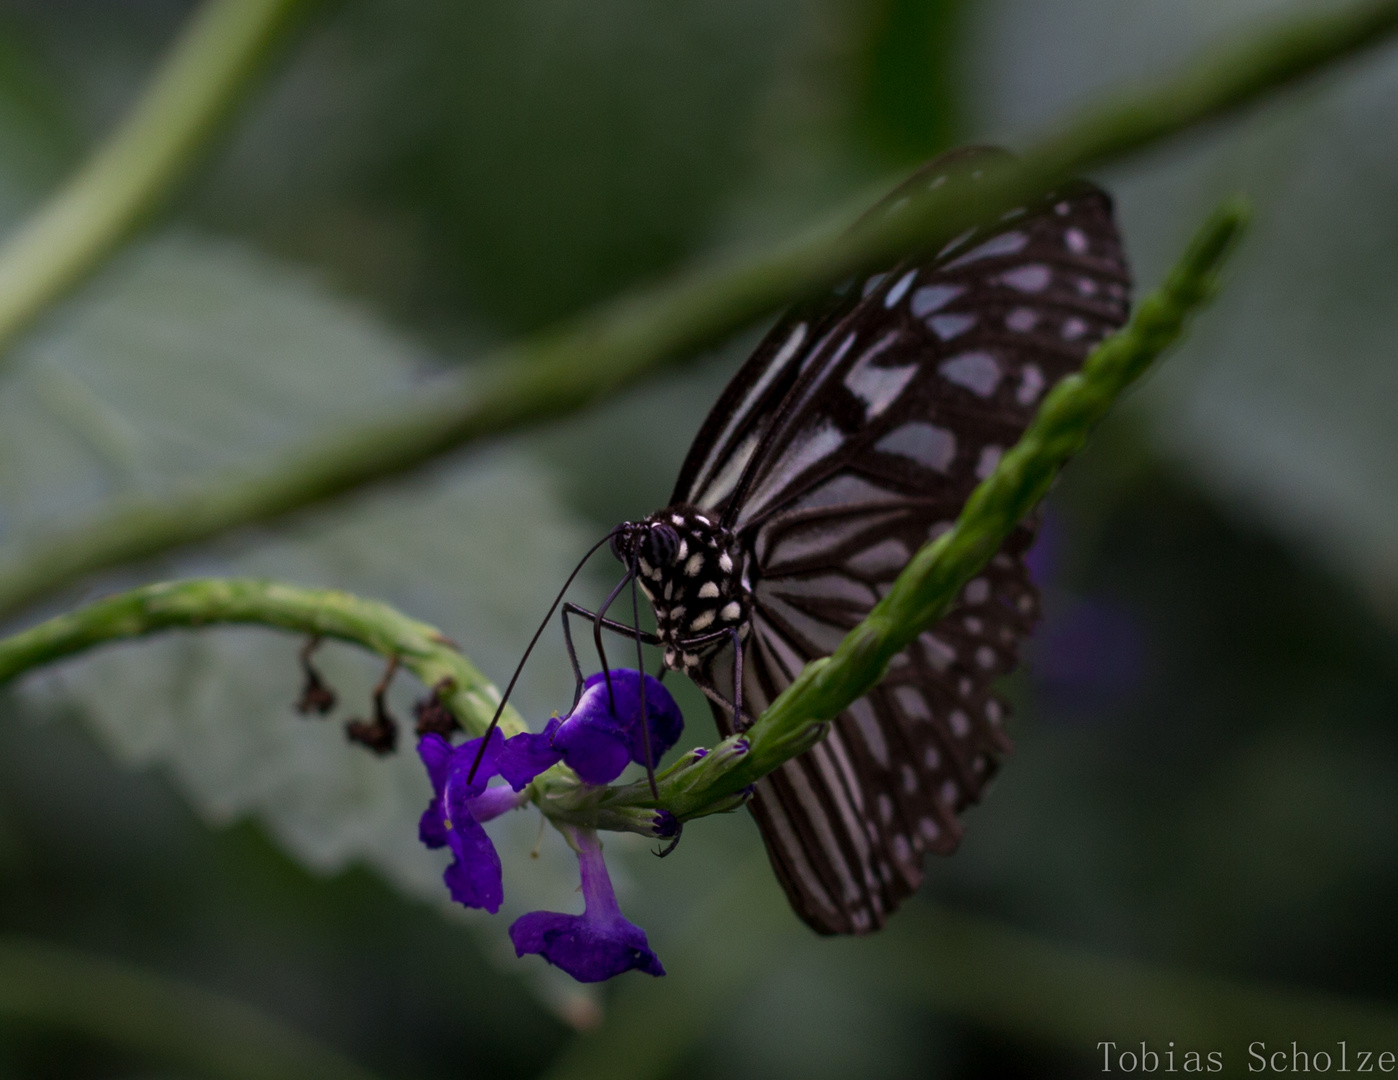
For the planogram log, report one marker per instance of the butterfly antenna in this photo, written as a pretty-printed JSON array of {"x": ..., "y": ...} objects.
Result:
[
  {"x": 641, "y": 672},
  {"x": 597, "y": 633},
  {"x": 509, "y": 689}
]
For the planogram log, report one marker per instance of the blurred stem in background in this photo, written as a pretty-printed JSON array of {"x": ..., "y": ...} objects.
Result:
[
  {"x": 204, "y": 79},
  {"x": 599, "y": 353}
]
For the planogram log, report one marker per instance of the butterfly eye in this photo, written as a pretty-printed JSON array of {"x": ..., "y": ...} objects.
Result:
[{"x": 660, "y": 544}]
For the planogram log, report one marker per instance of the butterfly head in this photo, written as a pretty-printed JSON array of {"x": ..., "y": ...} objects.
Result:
[{"x": 646, "y": 546}]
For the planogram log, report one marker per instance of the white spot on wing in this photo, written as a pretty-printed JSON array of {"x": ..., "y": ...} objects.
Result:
[
  {"x": 950, "y": 325},
  {"x": 846, "y": 490},
  {"x": 878, "y": 387},
  {"x": 990, "y": 457},
  {"x": 977, "y": 591},
  {"x": 1031, "y": 278},
  {"x": 1022, "y": 320},
  {"x": 1073, "y": 328},
  {"x": 702, "y": 621},
  {"x": 932, "y": 298},
  {"x": 955, "y": 242},
  {"x": 1076, "y": 240},
  {"x": 1031, "y": 385},
  {"x": 873, "y": 283},
  {"x": 900, "y": 287},
  {"x": 978, "y": 372},
  {"x": 1008, "y": 243},
  {"x": 708, "y": 590},
  {"x": 927, "y": 444}
]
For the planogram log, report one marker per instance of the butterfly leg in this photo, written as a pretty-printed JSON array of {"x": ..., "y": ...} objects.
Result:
[
  {"x": 730, "y": 634},
  {"x": 644, "y": 637}
]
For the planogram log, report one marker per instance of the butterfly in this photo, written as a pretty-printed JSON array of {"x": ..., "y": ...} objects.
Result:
[{"x": 851, "y": 437}]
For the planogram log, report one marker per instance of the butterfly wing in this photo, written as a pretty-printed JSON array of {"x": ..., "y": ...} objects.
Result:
[{"x": 852, "y": 436}]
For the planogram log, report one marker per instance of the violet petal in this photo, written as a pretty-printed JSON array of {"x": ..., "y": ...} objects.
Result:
[
  {"x": 525, "y": 756},
  {"x": 598, "y": 741},
  {"x": 595, "y": 945},
  {"x": 474, "y": 877},
  {"x": 588, "y": 952}
]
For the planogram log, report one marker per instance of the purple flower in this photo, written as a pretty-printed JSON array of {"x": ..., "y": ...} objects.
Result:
[
  {"x": 453, "y": 817},
  {"x": 596, "y": 741},
  {"x": 595, "y": 945}
]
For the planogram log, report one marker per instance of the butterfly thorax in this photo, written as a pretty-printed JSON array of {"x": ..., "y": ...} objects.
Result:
[{"x": 691, "y": 569}]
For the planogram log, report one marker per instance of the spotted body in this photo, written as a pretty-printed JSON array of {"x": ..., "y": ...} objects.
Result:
[
  {"x": 692, "y": 573},
  {"x": 851, "y": 437}
]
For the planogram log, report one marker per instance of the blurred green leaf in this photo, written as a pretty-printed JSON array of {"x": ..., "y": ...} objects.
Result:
[{"x": 190, "y": 356}]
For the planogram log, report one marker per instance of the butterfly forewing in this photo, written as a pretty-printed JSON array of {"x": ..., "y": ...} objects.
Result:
[{"x": 853, "y": 436}]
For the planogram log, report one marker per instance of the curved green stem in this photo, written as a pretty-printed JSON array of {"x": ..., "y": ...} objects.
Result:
[
  {"x": 622, "y": 342},
  {"x": 202, "y": 80},
  {"x": 157, "y": 1017},
  {"x": 201, "y": 602}
]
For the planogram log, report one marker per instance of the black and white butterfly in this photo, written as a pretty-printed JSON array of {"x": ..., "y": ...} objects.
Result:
[{"x": 851, "y": 437}]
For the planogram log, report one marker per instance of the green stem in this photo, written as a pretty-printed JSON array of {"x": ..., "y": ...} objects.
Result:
[
  {"x": 202, "y": 80},
  {"x": 327, "y": 613},
  {"x": 597, "y": 354},
  {"x": 159, "y": 1018}
]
